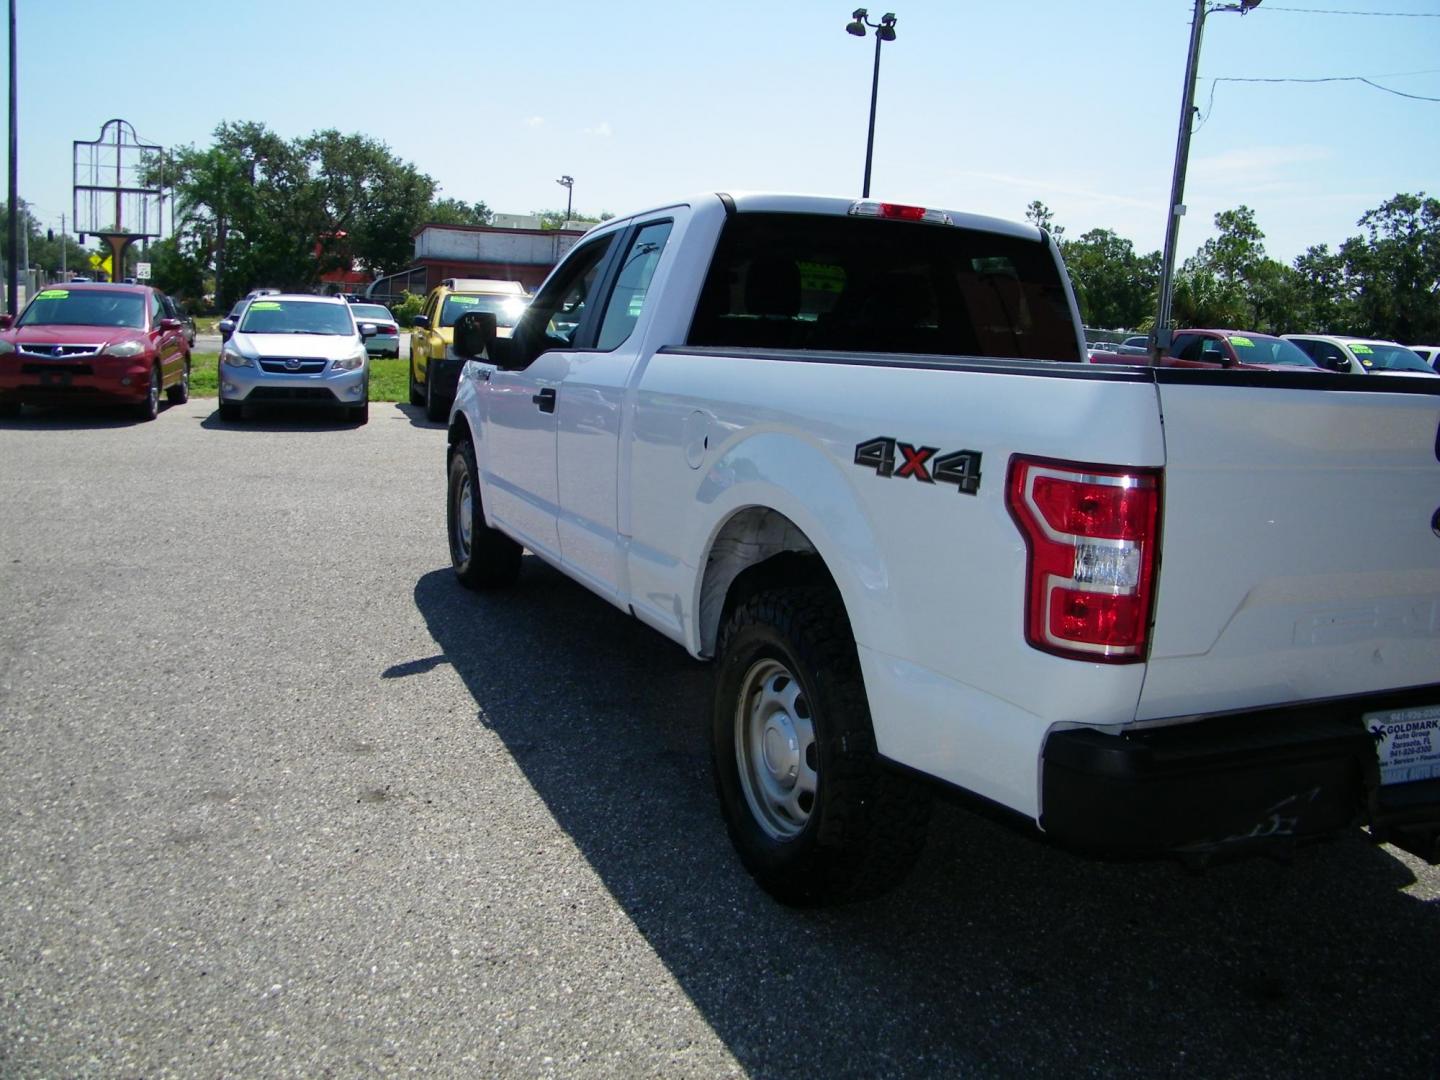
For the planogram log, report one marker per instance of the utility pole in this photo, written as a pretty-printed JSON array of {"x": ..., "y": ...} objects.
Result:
[
  {"x": 64, "y": 243},
  {"x": 12, "y": 294},
  {"x": 1160, "y": 336}
]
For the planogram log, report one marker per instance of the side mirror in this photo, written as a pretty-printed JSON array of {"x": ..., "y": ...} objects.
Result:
[
  {"x": 169, "y": 324},
  {"x": 474, "y": 334},
  {"x": 6, "y": 321},
  {"x": 368, "y": 329},
  {"x": 1338, "y": 363},
  {"x": 226, "y": 328},
  {"x": 422, "y": 322}
]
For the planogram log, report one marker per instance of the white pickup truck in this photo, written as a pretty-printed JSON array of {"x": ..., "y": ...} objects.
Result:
[{"x": 852, "y": 452}]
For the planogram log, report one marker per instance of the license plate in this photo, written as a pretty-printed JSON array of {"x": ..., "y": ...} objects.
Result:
[{"x": 1408, "y": 742}]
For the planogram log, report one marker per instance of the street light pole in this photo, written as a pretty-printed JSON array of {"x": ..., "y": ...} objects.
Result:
[
  {"x": 1160, "y": 336},
  {"x": 884, "y": 31},
  {"x": 568, "y": 183}
]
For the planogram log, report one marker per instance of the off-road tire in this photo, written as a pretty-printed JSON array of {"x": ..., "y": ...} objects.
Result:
[
  {"x": 865, "y": 825},
  {"x": 482, "y": 557}
]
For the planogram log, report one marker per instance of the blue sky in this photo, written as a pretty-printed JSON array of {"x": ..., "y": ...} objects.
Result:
[{"x": 983, "y": 105}]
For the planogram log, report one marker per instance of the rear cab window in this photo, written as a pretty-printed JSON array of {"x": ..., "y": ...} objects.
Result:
[{"x": 823, "y": 282}]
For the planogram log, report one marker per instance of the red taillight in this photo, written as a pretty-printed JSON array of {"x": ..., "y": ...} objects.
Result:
[{"x": 1091, "y": 536}]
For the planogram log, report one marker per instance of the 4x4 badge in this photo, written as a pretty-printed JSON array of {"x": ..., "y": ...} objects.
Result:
[{"x": 961, "y": 468}]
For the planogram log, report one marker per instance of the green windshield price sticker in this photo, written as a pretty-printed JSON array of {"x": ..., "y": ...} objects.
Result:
[
  {"x": 1362, "y": 350},
  {"x": 467, "y": 300},
  {"x": 53, "y": 294},
  {"x": 265, "y": 305},
  {"x": 1243, "y": 342}
]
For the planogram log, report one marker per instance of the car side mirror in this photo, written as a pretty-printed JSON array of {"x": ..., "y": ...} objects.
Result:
[
  {"x": 368, "y": 329},
  {"x": 1338, "y": 363},
  {"x": 422, "y": 321},
  {"x": 226, "y": 328},
  {"x": 6, "y": 321},
  {"x": 475, "y": 335},
  {"x": 169, "y": 324}
]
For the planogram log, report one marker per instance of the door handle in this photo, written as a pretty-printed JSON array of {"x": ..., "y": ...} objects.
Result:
[{"x": 545, "y": 399}]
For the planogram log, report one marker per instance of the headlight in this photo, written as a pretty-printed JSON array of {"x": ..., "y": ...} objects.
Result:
[
  {"x": 231, "y": 358},
  {"x": 349, "y": 363},
  {"x": 125, "y": 348}
]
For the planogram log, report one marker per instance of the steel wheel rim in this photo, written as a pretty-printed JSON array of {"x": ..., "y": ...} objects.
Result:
[
  {"x": 775, "y": 751},
  {"x": 464, "y": 506}
]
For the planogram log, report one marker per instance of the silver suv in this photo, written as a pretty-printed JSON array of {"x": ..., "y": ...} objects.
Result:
[{"x": 295, "y": 350}]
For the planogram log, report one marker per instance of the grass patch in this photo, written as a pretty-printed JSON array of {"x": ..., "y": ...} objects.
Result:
[{"x": 389, "y": 380}]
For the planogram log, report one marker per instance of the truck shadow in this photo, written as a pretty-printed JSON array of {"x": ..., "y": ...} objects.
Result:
[{"x": 1001, "y": 955}]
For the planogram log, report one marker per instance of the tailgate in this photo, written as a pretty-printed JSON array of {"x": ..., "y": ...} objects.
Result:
[{"x": 1300, "y": 547}]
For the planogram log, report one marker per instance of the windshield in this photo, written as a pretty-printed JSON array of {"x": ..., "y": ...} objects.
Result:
[
  {"x": 1377, "y": 357},
  {"x": 296, "y": 317},
  {"x": 371, "y": 311},
  {"x": 1262, "y": 349},
  {"x": 506, "y": 309},
  {"x": 88, "y": 307}
]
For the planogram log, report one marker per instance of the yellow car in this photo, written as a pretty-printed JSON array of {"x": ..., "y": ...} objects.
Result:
[{"x": 434, "y": 369}]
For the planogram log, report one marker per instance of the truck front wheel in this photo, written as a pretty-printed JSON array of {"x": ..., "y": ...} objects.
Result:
[
  {"x": 483, "y": 558},
  {"x": 814, "y": 816}
]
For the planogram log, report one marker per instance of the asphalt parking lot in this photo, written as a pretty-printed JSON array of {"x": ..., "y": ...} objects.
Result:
[{"x": 278, "y": 798}]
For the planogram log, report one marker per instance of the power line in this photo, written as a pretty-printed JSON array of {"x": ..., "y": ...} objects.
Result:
[
  {"x": 1332, "y": 11},
  {"x": 1367, "y": 80}
]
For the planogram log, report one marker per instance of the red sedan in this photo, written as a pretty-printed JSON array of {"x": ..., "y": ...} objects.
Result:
[{"x": 93, "y": 344}]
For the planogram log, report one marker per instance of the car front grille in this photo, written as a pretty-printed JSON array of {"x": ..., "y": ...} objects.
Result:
[
  {"x": 291, "y": 393},
  {"x": 292, "y": 365},
  {"x": 58, "y": 352}
]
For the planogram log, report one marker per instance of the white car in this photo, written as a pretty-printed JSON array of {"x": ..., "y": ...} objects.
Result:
[
  {"x": 1360, "y": 356},
  {"x": 1429, "y": 353},
  {"x": 295, "y": 350}
]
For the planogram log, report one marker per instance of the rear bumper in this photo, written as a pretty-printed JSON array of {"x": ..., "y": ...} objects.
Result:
[{"x": 1227, "y": 784}]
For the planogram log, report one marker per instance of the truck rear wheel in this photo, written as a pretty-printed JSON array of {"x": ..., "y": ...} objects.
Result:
[
  {"x": 815, "y": 818},
  {"x": 483, "y": 558}
]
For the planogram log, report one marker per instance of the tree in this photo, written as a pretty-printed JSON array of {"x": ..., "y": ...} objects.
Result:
[
  {"x": 1394, "y": 270},
  {"x": 44, "y": 250},
  {"x": 1324, "y": 295},
  {"x": 262, "y": 210},
  {"x": 1039, "y": 215},
  {"x": 555, "y": 219},
  {"x": 457, "y": 212},
  {"x": 1235, "y": 254},
  {"x": 1113, "y": 284},
  {"x": 370, "y": 196}
]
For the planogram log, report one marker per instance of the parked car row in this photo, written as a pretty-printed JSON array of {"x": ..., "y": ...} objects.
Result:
[{"x": 1248, "y": 350}]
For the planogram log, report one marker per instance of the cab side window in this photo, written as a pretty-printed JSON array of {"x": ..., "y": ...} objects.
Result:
[
  {"x": 627, "y": 298},
  {"x": 1186, "y": 347},
  {"x": 555, "y": 316}
]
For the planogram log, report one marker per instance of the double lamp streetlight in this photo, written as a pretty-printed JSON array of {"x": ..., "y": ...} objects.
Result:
[{"x": 884, "y": 31}]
